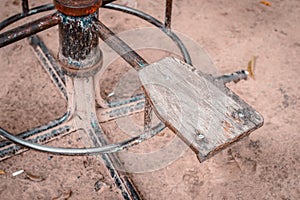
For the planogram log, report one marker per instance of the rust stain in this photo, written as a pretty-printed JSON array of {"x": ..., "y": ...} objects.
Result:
[
  {"x": 77, "y": 8},
  {"x": 227, "y": 126},
  {"x": 235, "y": 116}
]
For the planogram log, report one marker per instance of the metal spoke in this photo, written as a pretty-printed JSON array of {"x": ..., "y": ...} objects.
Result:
[
  {"x": 25, "y": 6},
  {"x": 126, "y": 52},
  {"x": 168, "y": 14},
  {"x": 28, "y": 29},
  {"x": 124, "y": 108}
]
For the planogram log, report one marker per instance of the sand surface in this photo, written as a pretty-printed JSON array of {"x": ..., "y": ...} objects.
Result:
[{"x": 266, "y": 165}]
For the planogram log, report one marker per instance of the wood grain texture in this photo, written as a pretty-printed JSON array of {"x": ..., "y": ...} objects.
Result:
[{"x": 204, "y": 113}]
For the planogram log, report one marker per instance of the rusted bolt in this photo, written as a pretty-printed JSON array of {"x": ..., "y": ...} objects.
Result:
[{"x": 77, "y": 7}]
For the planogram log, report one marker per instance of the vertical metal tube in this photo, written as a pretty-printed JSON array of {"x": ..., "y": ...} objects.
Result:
[
  {"x": 168, "y": 14},
  {"x": 25, "y": 6},
  {"x": 79, "y": 52},
  {"x": 80, "y": 57}
]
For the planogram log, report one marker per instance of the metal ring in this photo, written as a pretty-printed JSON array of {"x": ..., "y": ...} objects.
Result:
[
  {"x": 20, "y": 16},
  {"x": 110, "y": 148}
]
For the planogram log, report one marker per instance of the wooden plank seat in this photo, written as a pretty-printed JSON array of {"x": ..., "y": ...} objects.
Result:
[{"x": 199, "y": 109}]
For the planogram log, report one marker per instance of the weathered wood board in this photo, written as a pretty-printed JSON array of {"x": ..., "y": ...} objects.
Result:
[{"x": 204, "y": 113}]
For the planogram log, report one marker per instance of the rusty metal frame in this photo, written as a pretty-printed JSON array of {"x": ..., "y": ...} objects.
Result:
[
  {"x": 112, "y": 40},
  {"x": 131, "y": 57},
  {"x": 61, "y": 126},
  {"x": 56, "y": 70}
]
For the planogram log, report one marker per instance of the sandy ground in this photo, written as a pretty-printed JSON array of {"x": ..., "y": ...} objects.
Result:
[{"x": 263, "y": 166}]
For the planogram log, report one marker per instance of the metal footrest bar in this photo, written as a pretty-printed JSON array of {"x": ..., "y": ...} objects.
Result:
[
  {"x": 47, "y": 136},
  {"x": 9, "y": 149},
  {"x": 37, "y": 130}
]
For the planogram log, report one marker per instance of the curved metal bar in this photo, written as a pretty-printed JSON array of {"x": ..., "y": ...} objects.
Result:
[
  {"x": 31, "y": 28},
  {"x": 156, "y": 23},
  {"x": 20, "y": 16},
  {"x": 41, "y": 137},
  {"x": 110, "y": 148},
  {"x": 39, "y": 129},
  {"x": 33, "y": 11}
]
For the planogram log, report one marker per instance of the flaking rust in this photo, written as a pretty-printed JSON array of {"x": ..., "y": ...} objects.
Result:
[
  {"x": 78, "y": 42},
  {"x": 78, "y": 7}
]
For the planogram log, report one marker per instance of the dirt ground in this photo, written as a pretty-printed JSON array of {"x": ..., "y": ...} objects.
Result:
[{"x": 266, "y": 165}]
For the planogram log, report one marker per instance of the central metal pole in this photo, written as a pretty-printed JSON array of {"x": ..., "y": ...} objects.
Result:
[
  {"x": 79, "y": 52},
  {"x": 81, "y": 58}
]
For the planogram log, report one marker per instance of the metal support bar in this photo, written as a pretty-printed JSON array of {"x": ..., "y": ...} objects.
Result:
[
  {"x": 130, "y": 56},
  {"x": 40, "y": 134},
  {"x": 168, "y": 14},
  {"x": 41, "y": 137},
  {"x": 28, "y": 29},
  {"x": 25, "y": 6},
  {"x": 110, "y": 148},
  {"x": 234, "y": 77},
  {"x": 126, "y": 52},
  {"x": 112, "y": 162},
  {"x": 123, "y": 110}
]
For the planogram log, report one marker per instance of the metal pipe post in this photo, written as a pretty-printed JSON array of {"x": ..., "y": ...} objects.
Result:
[
  {"x": 25, "y": 6},
  {"x": 168, "y": 14}
]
